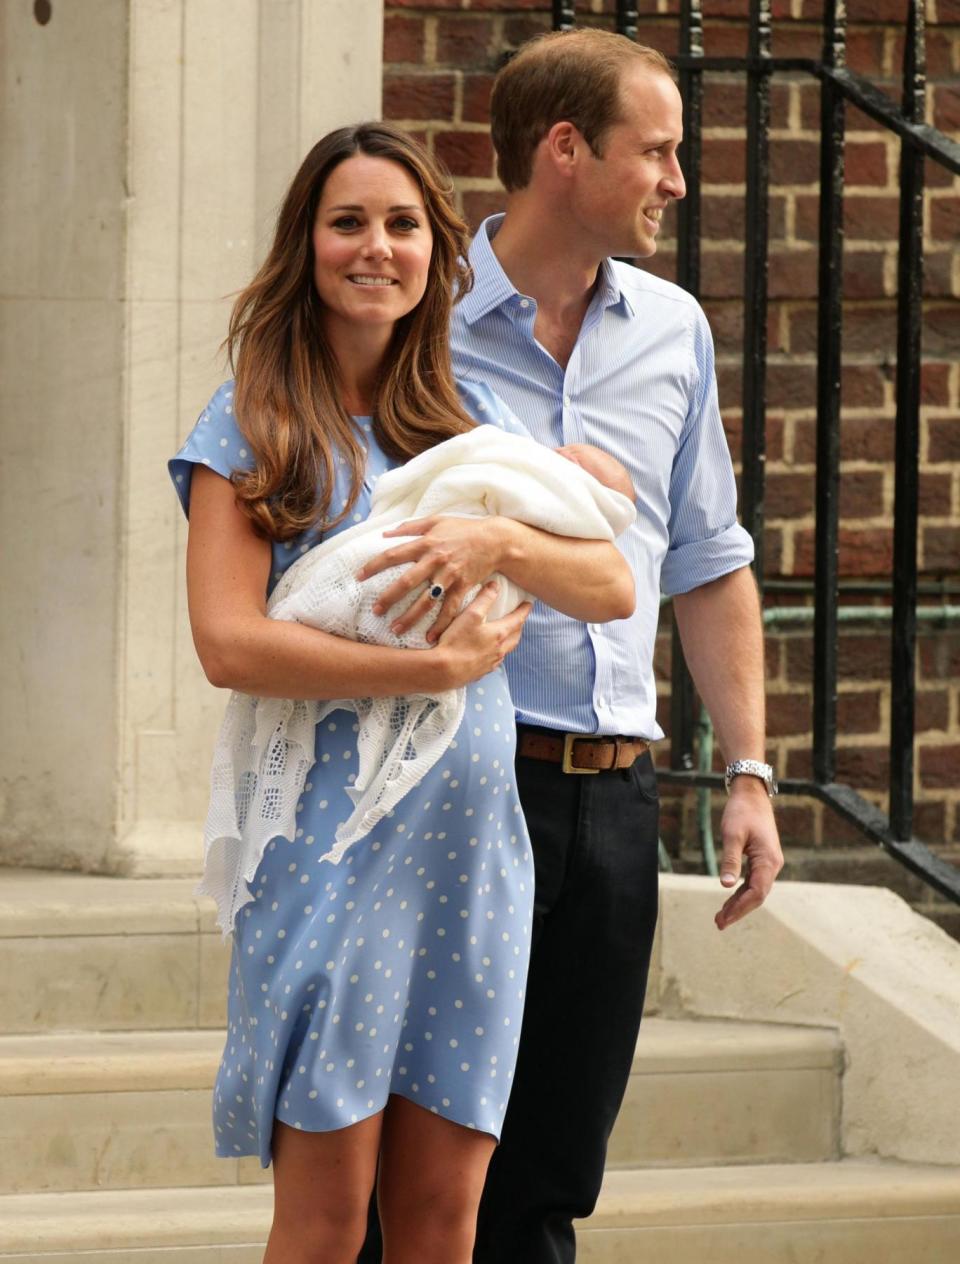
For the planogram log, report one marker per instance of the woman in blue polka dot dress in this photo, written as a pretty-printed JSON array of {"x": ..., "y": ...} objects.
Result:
[{"x": 374, "y": 1005}]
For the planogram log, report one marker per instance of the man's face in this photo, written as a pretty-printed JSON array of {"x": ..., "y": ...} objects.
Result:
[{"x": 620, "y": 196}]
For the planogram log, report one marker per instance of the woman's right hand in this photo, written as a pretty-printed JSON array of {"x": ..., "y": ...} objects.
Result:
[{"x": 471, "y": 646}]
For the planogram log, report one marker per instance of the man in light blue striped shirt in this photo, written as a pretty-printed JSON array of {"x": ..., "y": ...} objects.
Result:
[{"x": 584, "y": 349}]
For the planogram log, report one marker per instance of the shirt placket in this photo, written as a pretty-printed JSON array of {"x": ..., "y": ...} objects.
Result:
[
  {"x": 525, "y": 317},
  {"x": 574, "y": 431}
]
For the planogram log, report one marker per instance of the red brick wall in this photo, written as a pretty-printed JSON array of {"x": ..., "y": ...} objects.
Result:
[{"x": 440, "y": 58}]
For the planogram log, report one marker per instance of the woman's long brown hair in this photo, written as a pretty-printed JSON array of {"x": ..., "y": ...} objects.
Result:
[{"x": 287, "y": 396}]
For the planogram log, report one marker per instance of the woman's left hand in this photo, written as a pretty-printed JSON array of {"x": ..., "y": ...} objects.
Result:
[{"x": 456, "y": 553}]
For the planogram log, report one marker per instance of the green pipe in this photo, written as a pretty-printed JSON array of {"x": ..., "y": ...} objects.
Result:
[
  {"x": 883, "y": 587},
  {"x": 773, "y": 617},
  {"x": 704, "y": 819},
  {"x": 778, "y": 615}
]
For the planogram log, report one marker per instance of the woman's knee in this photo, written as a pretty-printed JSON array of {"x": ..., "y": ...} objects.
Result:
[
  {"x": 431, "y": 1229},
  {"x": 431, "y": 1178},
  {"x": 325, "y": 1235}
]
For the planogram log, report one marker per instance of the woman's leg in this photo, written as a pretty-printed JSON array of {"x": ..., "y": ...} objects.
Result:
[
  {"x": 431, "y": 1178},
  {"x": 322, "y": 1183}
]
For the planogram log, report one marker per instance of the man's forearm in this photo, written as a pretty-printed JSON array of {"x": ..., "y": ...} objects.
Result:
[
  {"x": 586, "y": 579},
  {"x": 722, "y": 634}
]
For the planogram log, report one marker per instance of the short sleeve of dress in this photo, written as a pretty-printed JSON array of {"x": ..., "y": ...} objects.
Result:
[
  {"x": 487, "y": 408},
  {"x": 215, "y": 441}
]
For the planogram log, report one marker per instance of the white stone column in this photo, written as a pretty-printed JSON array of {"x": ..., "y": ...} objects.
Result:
[{"x": 154, "y": 170}]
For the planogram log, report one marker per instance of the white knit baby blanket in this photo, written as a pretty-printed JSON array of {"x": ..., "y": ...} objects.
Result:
[{"x": 265, "y": 748}]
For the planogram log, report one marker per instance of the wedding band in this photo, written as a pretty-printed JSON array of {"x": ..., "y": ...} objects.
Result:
[{"x": 436, "y": 592}]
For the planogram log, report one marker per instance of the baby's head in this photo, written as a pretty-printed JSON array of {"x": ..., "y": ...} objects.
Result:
[{"x": 606, "y": 469}]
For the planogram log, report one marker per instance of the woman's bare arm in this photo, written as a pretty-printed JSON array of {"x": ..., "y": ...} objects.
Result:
[{"x": 228, "y": 567}]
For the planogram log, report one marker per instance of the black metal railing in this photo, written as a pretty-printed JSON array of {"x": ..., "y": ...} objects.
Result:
[{"x": 839, "y": 87}]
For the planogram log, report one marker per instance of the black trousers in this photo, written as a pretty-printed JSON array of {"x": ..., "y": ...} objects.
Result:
[{"x": 595, "y": 854}]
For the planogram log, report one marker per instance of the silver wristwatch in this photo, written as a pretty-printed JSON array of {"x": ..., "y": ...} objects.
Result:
[{"x": 751, "y": 768}]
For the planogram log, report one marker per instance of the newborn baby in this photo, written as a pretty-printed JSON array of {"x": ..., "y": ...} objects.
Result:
[{"x": 266, "y": 745}]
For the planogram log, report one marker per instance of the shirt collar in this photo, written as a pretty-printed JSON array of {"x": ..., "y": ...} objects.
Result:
[{"x": 492, "y": 287}]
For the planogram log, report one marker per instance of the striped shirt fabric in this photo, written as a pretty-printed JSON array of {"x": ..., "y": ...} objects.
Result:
[{"x": 640, "y": 384}]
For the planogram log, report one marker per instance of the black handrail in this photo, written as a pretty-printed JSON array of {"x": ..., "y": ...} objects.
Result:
[
  {"x": 829, "y": 326},
  {"x": 682, "y": 699},
  {"x": 907, "y": 469},
  {"x": 753, "y": 443}
]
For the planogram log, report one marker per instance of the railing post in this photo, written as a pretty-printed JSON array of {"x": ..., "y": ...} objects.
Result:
[
  {"x": 682, "y": 719},
  {"x": 627, "y": 17},
  {"x": 753, "y": 426},
  {"x": 829, "y": 325},
  {"x": 564, "y": 15},
  {"x": 909, "y": 323},
  {"x": 691, "y": 90}
]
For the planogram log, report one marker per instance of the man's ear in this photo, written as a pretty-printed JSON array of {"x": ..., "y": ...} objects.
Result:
[{"x": 563, "y": 146}]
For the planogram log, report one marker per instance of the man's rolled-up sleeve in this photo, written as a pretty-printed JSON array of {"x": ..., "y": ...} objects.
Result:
[{"x": 706, "y": 541}]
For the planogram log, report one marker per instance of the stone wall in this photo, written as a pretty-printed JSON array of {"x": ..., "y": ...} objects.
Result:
[{"x": 149, "y": 142}]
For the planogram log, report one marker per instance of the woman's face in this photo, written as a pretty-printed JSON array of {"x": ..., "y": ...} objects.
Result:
[{"x": 372, "y": 243}]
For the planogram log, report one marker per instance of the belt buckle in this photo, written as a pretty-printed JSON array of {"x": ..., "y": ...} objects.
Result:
[{"x": 568, "y": 764}]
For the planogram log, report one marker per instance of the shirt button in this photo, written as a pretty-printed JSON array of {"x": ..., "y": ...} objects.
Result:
[
  {"x": 567, "y": 400},
  {"x": 601, "y": 702},
  {"x": 524, "y": 302},
  {"x": 595, "y": 628}
]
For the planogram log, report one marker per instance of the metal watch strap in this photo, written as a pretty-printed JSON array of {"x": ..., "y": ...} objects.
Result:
[{"x": 751, "y": 768}]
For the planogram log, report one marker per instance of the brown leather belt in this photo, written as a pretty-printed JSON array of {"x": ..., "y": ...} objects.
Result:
[{"x": 578, "y": 753}]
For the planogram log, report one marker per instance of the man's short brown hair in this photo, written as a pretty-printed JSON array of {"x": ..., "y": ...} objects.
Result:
[{"x": 566, "y": 76}]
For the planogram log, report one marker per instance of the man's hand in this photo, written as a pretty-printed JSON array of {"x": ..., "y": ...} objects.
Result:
[
  {"x": 722, "y": 635},
  {"x": 457, "y": 553},
  {"x": 749, "y": 833}
]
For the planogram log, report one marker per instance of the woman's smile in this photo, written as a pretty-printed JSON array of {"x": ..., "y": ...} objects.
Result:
[{"x": 366, "y": 278}]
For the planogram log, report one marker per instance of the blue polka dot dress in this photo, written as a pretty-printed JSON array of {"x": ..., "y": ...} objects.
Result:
[{"x": 402, "y": 969}]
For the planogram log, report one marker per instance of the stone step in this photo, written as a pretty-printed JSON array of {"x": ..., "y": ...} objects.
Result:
[
  {"x": 137, "y": 1226},
  {"x": 945, "y": 913},
  {"x": 81, "y": 952},
  {"x": 121, "y": 1110},
  {"x": 844, "y": 1213},
  {"x": 705, "y": 1092},
  {"x": 848, "y": 1212},
  {"x": 864, "y": 865},
  {"x": 116, "y": 1110},
  {"x": 86, "y": 953}
]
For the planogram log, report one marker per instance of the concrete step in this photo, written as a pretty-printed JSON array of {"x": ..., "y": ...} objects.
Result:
[
  {"x": 863, "y": 864},
  {"x": 80, "y": 952},
  {"x": 122, "y": 1110},
  {"x": 141, "y": 1226},
  {"x": 704, "y": 1092},
  {"x": 945, "y": 913},
  {"x": 844, "y": 1213},
  {"x": 849, "y": 1212},
  {"x": 86, "y": 953},
  {"x": 116, "y": 1110}
]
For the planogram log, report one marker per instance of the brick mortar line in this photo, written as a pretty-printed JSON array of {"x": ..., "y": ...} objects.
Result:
[
  {"x": 811, "y": 135},
  {"x": 452, "y": 125},
  {"x": 430, "y": 24}
]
